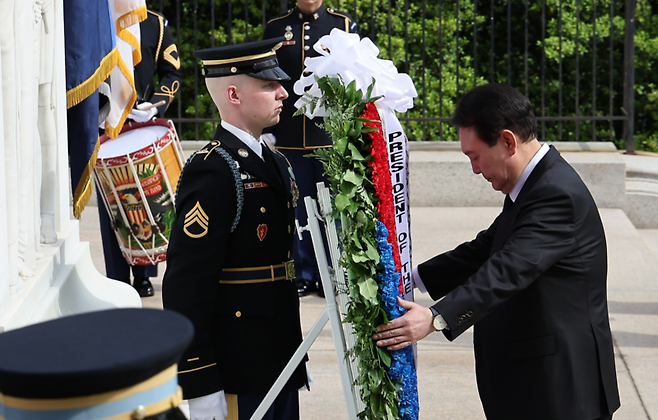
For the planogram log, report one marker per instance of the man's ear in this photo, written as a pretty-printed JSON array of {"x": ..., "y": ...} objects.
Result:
[
  {"x": 232, "y": 94},
  {"x": 510, "y": 141}
]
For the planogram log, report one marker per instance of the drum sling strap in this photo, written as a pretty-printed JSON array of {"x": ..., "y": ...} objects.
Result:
[{"x": 239, "y": 187}]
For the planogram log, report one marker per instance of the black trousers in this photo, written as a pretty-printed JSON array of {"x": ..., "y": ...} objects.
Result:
[{"x": 284, "y": 407}]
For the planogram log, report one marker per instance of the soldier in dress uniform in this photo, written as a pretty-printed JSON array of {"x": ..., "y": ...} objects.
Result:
[
  {"x": 298, "y": 136},
  {"x": 110, "y": 364},
  {"x": 229, "y": 261},
  {"x": 159, "y": 56}
]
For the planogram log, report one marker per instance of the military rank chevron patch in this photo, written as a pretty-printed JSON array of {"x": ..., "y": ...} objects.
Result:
[{"x": 196, "y": 222}]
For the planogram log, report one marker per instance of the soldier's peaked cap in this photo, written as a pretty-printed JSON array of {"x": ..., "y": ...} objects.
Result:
[
  {"x": 256, "y": 59},
  {"x": 116, "y": 363}
]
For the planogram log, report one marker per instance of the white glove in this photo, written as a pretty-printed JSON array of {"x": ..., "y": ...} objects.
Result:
[
  {"x": 138, "y": 115},
  {"x": 309, "y": 378},
  {"x": 209, "y": 407}
]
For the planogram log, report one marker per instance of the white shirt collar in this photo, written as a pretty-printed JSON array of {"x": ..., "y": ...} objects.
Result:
[
  {"x": 516, "y": 189},
  {"x": 246, "y": 138}
]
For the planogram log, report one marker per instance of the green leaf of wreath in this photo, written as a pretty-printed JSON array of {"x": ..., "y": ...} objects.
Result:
[
  {"x": 341, "y": 202},
  {"x": 368, "y": 289}
]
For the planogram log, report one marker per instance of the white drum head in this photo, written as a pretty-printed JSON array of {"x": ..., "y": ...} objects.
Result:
[{"x": 131, "y": 141}]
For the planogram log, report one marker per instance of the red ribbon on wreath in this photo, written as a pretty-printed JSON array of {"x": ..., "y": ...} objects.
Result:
[{"x": 381, "y": 178}]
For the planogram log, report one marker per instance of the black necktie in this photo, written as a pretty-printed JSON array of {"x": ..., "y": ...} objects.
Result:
[
  {"x": 269, "y": 160},
  {"x": 508, "y": 203}
]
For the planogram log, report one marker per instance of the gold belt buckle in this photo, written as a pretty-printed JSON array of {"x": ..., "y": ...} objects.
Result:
[{"x": 290, "y": 269}]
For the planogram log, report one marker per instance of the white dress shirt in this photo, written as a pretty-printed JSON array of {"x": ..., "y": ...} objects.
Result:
[{"x": 250, "y": 141}]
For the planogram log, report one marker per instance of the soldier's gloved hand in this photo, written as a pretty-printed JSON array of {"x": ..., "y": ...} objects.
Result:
[
  {"x": 140, "y": 114},
  {"x": 209, "y": 407}
]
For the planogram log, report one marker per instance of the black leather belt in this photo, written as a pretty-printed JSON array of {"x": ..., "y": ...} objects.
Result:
[{"x": 263, "y": 274}]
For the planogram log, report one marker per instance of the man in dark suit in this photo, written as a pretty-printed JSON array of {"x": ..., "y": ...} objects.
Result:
[
  {"x": 298, "y": 136},
  {"x": 532, "y": 285},
  {"x": 229, "y": 266},
  {"x": 159, "y": 56}
]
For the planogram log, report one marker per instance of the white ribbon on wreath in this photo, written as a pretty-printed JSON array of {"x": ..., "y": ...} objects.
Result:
[{"x": 354, "y": 59}]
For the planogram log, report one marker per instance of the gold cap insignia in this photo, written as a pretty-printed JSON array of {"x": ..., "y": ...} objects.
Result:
[
  {"x": 261, "y": 231},
  {"x": 196, "y": 222}
]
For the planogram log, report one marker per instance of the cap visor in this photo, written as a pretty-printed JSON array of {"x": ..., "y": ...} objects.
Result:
[{"x": 274, "y": 73}]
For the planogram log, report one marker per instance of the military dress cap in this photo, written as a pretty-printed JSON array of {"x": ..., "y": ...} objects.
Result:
[
  {"x": 256, "y": 59},
  {"x": 111, "y": 364}
]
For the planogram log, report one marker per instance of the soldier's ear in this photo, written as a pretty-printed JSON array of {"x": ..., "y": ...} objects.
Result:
[{"x": 232, "y": 94}]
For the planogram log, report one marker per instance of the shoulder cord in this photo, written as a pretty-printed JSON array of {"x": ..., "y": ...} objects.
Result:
[{"x": 239, "y": 187}]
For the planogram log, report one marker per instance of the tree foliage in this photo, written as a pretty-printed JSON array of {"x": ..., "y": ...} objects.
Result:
[{"x": 567, "y": 56}]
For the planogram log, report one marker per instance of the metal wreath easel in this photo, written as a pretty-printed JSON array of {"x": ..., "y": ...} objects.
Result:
[{"x": 335, "y": 284}]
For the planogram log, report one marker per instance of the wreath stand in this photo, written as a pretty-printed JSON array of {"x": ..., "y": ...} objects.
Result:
[{"x": 335, "y": 284}]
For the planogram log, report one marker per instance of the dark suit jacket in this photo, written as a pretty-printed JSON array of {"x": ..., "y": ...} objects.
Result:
[
  {"x": 244, "y": 333},
  {"x": 533, "y": 285},
  {"x": 302, "y": 31}
]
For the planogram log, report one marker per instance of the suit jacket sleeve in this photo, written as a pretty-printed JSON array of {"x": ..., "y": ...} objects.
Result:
[
  {"x": 205, "y": 209},
  {"x": 168, "y": 69},
  {"x": 543, "y": 232},
  {"x": 456, "y": 266}
]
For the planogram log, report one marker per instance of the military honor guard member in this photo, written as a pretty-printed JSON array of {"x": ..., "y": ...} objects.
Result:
[
  {"x": 298, "y": 136},
  {"x": 229, "y": 261},
  {"x": 111, "y": 364},
  {"x": 159, "y": 56}
]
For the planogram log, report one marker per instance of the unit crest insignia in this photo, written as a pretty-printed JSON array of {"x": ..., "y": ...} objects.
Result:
[{"x": 261, "y": 231}]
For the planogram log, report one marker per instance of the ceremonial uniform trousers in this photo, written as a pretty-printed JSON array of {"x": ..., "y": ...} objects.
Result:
[
  {"x": 299, "y": 136},
  {"x": 229, "y": 270},
  {"x": 159, "y": 54}
]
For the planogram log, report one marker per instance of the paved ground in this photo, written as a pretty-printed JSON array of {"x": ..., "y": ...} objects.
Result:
[{"x": 446, "y": 374}]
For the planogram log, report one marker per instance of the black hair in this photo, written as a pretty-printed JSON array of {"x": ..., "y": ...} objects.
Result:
[{"x": 492, "y": 108}]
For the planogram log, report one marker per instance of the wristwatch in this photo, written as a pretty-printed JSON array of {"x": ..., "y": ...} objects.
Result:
[{"x": 439, "y": 323}]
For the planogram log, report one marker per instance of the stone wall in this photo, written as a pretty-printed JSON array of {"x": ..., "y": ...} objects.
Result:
[{"x": 441, "y": 176}]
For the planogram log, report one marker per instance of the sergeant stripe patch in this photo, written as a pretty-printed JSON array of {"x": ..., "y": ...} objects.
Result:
[{"x": 196, "y": 222}]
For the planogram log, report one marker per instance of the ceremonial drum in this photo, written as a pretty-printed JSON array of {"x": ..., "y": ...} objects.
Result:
[{"x": 137, "y": 173}]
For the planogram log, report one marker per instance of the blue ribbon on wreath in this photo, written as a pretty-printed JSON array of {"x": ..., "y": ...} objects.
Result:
[{"x": 403, "y": 368}]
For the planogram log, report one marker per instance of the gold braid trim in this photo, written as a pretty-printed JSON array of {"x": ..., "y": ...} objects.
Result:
[
  {"x": 160, "y": 38},
  {"x": 347, "y": 20},
  {"x": 83, "y": 189},
  {"x": 82, "y": 91},
  {"x": 281, "y": 17}
]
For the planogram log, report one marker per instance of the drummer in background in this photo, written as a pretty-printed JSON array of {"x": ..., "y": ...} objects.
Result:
[{"x": 159, "y": 54}]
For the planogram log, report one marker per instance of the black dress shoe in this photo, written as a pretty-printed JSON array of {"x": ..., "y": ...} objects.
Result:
[
  {"x": 302, "y": 287},
  {"x": 143, "y": 286}
]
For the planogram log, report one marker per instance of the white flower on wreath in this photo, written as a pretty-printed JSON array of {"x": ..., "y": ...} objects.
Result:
[{"x": 354, "y": 59}]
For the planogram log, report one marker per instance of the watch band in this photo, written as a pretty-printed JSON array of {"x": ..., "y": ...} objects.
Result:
[{"x": 438, "y": 322}]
